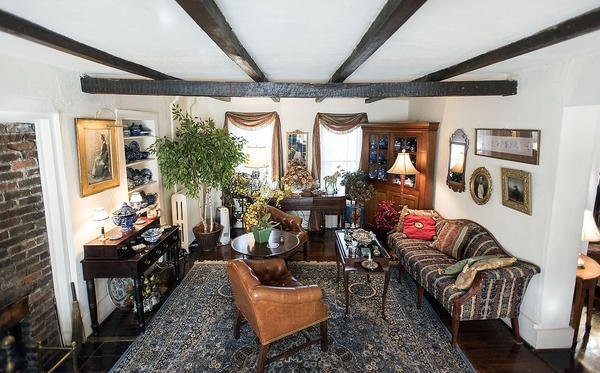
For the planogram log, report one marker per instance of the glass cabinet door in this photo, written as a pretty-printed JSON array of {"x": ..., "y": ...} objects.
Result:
[{"x": 378, "y": 163}]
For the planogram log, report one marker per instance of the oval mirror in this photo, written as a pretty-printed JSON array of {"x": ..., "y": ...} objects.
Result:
[{"x": 458, "y": 160}]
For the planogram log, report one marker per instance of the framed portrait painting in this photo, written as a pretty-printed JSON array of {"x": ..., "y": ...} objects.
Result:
[
  {"x": 516, "y": 190},
  {"x": 97, "y": 153},
  {"x": 480, "y": 185}
]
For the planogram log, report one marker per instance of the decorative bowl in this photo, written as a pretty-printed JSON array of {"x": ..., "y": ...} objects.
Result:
[
  {"x": 362, "y": 237},
  {"x": 124, "y": 217},
  {"x": 152, "y": 235}
]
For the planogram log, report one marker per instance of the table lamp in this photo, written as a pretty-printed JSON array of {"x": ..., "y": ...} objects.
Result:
[
  {"x": 257, "y": 159},
  {"x": 100, "y": 214},
  {"x": 589, "y": 231},
  {"x": 403, "y": 166}
]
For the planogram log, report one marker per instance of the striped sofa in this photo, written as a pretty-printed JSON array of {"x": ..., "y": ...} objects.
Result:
[{"x": 494, "y": 294}]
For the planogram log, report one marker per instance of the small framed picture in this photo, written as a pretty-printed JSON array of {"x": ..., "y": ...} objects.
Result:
[
  {"x": 516, "y": 190},
  {"x": 480, "y": 185}
]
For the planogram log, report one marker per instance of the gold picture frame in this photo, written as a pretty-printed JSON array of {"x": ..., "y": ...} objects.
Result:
[
  {"x": 480, "y": 185},
  {"x": 97, "y": 154},
  {"x": 516, "y": 190},
  {"x": 297, "y": 147}
]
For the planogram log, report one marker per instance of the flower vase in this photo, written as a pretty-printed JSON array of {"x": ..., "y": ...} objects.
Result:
[
  {"x": 297, "y": 189},
  {"x": 261, "y": 235},
  {"x": 330, "y": 188}
]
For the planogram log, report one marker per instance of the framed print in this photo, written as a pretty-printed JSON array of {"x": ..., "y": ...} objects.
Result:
[
  {"x": 297, "y": 146},
  {"x": 513, "y": 145},
  {"x": 480, "y": 185},
  {"x": 97, "y": 153},
  {"x": 516, "y": 190}
]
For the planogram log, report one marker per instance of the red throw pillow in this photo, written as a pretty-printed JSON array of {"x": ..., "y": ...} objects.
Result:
[{"x": 419, "y": 227}]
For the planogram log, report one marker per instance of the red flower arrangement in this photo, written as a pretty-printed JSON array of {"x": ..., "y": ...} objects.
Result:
[{"x": 386, "y": 216}]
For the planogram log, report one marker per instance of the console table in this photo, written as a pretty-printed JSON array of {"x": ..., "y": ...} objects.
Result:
[
  {"x": 319, "y": 206},
  {"x": 99, "y": 262}
]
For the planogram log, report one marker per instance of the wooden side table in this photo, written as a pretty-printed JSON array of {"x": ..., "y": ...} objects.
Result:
[{"x": 587, "y": 277}]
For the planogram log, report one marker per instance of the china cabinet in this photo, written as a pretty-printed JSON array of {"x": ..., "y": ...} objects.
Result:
[{"x": 380, "y": 146}]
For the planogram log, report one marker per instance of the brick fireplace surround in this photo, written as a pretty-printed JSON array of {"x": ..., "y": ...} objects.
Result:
[{"x": 25, "y": 269}]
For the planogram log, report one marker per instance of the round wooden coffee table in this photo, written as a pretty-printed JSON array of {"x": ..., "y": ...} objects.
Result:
[{"x": 276, "y": 246}]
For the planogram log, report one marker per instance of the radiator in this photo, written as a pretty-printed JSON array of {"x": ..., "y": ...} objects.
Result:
[{"x": 180, "y": 217}]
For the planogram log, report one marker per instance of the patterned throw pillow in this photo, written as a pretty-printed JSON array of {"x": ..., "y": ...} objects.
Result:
[
  {"x": 465, "y": 279},
  {"x": 406, "y": 211},
  {"x": 451, "y": 237},
  {"x": 419, "y": 227}
]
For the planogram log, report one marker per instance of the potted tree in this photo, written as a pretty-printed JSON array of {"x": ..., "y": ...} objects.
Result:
[
  {"x": 200, "y": 158},
  {"x": 359, "y": 191}
]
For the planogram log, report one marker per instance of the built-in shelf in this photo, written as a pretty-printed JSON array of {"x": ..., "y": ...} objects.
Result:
[
  {"x": 141, "y": 161},
  {"x": 137, "y": 137},
  {"x": 140, "y": 187}
]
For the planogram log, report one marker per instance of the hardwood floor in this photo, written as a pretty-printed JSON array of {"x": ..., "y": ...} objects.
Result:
[{"x": 487, "y": 344}]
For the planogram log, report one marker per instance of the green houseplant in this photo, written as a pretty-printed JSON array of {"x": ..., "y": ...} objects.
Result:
[{"x": 200, "y": 158}]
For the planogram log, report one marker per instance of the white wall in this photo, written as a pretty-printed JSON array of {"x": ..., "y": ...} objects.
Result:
[
  {"x": 560, "y": 183},
  {"x": 52, "y": 97}
]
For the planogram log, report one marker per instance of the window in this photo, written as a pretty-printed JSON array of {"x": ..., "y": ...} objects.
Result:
[
  {"x": 339, "y": 150},
  {"x": 255, "y": 137}
]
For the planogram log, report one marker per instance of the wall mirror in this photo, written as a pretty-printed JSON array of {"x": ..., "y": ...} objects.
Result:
[
  {"x": 458, "y": 160},
  {"x": 297, "y": 146}
]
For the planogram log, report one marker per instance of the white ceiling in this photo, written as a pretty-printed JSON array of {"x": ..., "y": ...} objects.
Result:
[{"x": 297, "y": 40}]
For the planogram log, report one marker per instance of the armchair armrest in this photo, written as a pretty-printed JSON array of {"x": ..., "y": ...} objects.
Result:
[{"x": 297, "y": 295}]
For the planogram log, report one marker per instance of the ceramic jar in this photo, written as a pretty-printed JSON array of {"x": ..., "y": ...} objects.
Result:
[{"x": 124, "y": 217}]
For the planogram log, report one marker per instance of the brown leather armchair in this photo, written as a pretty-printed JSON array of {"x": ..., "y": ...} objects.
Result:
[
  {"x": 275, "y": 304},
  {"x": 293, "y": 224}
]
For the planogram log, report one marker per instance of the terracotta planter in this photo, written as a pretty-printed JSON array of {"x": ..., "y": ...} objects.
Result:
[{"x": 207, "y": 241}]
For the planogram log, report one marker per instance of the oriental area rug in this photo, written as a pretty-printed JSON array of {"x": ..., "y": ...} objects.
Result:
[{"x": 193, "y": 330}]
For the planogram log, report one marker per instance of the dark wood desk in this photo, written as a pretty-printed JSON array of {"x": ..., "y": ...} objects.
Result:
[
  {"x": 319, "y": 206},
  {"x": 585, "y": 284},
  {"x": 132, "y": 264}
]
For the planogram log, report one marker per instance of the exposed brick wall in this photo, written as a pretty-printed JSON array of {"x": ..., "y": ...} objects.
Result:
[{"x": 24, "y": 256}]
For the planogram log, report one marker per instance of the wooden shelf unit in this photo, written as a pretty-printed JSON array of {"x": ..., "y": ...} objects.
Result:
[{"x": 381, "y": 144}]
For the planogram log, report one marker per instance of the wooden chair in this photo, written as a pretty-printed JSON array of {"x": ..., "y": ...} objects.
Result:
[{"x": 275, "y": 305}]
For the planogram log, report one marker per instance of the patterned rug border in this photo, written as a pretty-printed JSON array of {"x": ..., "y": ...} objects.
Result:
[{"x": 173, "y": 295}]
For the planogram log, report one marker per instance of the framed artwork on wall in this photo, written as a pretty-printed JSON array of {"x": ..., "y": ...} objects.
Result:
[
  {"x": 480, "y": 185},
  {"x": 516, "y": 190},
  {"x": 297, "y": 146},
  {"x": 97, "y": 153},
  {"x": 510, "y": 144}
]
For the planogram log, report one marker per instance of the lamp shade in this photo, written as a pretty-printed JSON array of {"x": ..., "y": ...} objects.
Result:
[
  {"x": 403, "y": 165},
  {"x": 100, "y": 214},
  {"x": 257, "y": 157},
  {"x": 589, "y": 232}
]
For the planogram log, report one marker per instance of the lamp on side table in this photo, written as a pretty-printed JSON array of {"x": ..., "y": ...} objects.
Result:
[
  {"x": 100, "y": 215},
  {"x": 403, "y": 166}
]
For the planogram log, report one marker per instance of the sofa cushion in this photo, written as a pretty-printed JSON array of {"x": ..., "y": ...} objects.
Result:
[
  {"x": 480, "y": 243},
  {"x": 452, "y": 236},
  {"x": 419, "y": 227},
  {"x": 405, "y": 211},
  {"x": 457, "y": 267},
  {"x": 465, "y": 279}
]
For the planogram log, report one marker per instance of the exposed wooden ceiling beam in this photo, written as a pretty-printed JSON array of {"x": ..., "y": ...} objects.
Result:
[
  {"x": 298, "y": 90},
  {"x": 25, "y": 29},
  {"x": 208, "y": 16},
  {"x": 393, "y": 15},
  {"x": 28, "y": 30},
  {"x": 569, "y": 29}
]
